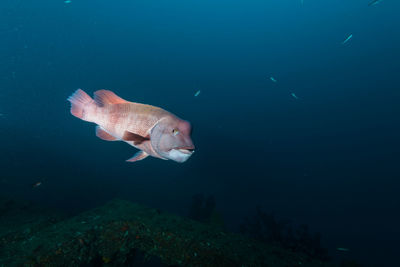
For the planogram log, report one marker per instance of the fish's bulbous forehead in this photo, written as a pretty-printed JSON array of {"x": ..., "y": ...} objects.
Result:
[{"x": 185, "y": 126}]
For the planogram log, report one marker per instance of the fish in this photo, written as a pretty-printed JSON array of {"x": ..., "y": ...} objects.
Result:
[
  {"x": 294, "y": 95},
  {"x": 374, "y": 2},
  {"x": 347, "y": 39},
  {"x": 37, "y": 184},
  {"x": 343, "y": 249},
  {"x": 273, "y": 79},
  {"x": 153, "y": 130},
  {"x": 197, "y": 93}
]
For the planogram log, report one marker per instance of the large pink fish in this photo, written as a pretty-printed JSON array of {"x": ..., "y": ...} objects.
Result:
[{"x": 155, "y": 131}]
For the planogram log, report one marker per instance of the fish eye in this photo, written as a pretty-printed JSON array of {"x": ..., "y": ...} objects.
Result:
[{"x": 175, "y": 132}]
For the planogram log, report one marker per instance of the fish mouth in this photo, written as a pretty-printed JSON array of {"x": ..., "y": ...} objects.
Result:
[
  {"x": 180, "y": 154},
  {"x": 186, "y": 150}
]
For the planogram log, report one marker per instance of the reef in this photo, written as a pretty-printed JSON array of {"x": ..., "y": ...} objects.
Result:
[{"x": 122, "y": 233}]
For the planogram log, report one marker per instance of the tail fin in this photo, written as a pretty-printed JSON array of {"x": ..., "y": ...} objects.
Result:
[{"x": 79, "y": 102}]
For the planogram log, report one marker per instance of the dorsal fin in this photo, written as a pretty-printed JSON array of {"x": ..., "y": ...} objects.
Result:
[{"x": 105, "y": 97}]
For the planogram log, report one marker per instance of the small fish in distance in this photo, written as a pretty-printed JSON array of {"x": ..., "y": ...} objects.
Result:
[
  {"x": 374, "y": 2},
  {"x": 347, "y": 39},
  {"x": 153, "y": 130},
  {"x": 37, "y": 184},
  {"x": 197, "y": 93},
  {"x": 273, "y": 79},
  {"x": 294, "y": 95}
]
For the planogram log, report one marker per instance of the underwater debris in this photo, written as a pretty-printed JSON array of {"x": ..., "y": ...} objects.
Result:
[
  {"x": 347, "y": 39},
  {"x": 197, "y": 93},
  {"x": 125, "y": 233}
]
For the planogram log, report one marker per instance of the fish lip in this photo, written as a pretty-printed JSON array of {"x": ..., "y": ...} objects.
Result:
[{"x": 186, "y": 150}]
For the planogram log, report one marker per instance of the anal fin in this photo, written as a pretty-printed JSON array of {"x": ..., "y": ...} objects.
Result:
[
  {"x": 138, "y": 156},
  {"x": 100, "y": 133}
]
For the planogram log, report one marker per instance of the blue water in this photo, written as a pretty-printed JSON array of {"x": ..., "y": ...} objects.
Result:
[{"x": 328, "y": 158}]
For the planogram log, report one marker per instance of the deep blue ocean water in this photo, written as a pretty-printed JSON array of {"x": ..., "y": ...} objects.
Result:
[{"x": 319, "y": 146}]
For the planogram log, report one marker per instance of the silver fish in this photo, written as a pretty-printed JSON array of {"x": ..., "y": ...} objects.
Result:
[{"x": 347, "y": 39}]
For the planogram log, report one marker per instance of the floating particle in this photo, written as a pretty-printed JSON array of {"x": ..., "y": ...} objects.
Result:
[{"x": 67, "y": 1}]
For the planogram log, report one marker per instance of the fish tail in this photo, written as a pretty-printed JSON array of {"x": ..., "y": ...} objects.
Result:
[{"x": 81, "y": 103}]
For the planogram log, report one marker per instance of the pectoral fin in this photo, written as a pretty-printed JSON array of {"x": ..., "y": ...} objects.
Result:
[
  {"x": 138, "y": 156},
  {"x": 137, "y": 139},
  {"x": 100, "y": 133}
]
